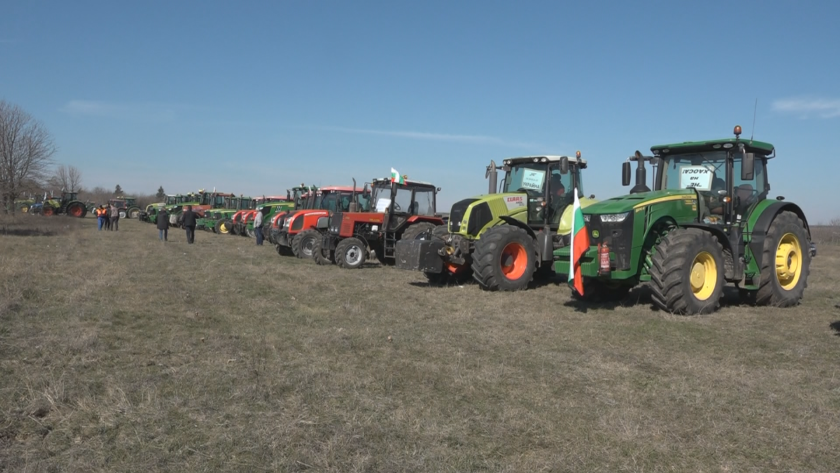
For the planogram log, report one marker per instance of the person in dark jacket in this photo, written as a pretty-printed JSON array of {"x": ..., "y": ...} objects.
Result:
[
  {"x": 188, "y": 219},
  {"x": 163, "y": 224}
]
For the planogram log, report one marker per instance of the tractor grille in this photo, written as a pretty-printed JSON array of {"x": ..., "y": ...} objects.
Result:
[
  {"x": 335, "y": 223},
  {"x": 456, "y": 215},
  {"x": 617, "y": 235},
  {"x": 479, "y": 217}
]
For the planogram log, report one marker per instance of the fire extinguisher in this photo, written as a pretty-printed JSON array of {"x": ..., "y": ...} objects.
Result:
[{"x": 604, "y": 259}]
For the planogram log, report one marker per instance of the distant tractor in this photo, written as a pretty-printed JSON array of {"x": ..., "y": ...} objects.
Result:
[
  {"x": 504, "y": 239},
  {"x": 302, "y": 227},
  {"x": 396, "y": 212},
  {"x": 707, "y": 222},
  {"x": 23, "y": 205},
  {"x": 126, "y": 206},
  {"x": 301, "y": 197},
  {"x": 68, "y": 204}
]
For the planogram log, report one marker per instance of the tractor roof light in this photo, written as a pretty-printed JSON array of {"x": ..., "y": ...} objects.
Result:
[
  {"x": 577, "y": 154},
  {"x": 737, "y": 131}
]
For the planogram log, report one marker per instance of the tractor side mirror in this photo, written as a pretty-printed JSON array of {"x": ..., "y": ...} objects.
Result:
[
  {"x": 625, "y": 173},
  {"x": 747, "y": 167},
  {"x": 564, "y": 165}
]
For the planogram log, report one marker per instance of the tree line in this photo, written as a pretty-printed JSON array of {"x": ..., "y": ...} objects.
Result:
[{"x": 27, "y": 169}]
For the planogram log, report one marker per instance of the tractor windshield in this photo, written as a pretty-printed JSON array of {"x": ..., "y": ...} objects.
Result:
[
  {"x": 336, "y": 201},
  {"x": 414, "y": 200}
]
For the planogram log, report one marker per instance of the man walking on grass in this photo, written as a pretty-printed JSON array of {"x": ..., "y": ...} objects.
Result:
[
  {"x": 163, "y": 224},
  {"x": 188, "y": 219}
]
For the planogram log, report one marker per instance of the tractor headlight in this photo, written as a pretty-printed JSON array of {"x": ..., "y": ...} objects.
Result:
[
  {"x": 374, "y": 228},
  {"x": 614, "y": 218},
  {"x": 287, "y": 223}
]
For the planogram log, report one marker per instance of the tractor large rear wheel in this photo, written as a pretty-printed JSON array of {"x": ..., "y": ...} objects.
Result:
[
  {"x": 133, "y": 213},
  {"x": 48, "y": 211},
  {"x": 350, "y": 253},
  {"x": 76, "y": 209},
  {"x": 305, "y": 241},
  {"x": 687, "y": 272},
  {"x": 785, "y": 262},
  {"x": 320, "y": 254},
  {"x": 504, "y": 259}
]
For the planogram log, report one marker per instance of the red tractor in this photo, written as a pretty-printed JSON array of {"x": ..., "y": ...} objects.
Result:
[
  {"x": 304, "y": 198},
  {"x": 389, "y": 212},
  {"x": 301, "y": 228}
]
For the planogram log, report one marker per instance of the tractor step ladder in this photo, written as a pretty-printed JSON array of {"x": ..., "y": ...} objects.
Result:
[{"x": 390, "y": 245}]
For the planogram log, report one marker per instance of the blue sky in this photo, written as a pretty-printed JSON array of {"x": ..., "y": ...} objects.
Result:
[{"x": 254, "y": 97}]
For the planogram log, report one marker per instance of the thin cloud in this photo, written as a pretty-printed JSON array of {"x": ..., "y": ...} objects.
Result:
[
  {"x": 126, "y": 111},
  {"x": 418, "y": 135},
  {"x": 809, "y": 107}
]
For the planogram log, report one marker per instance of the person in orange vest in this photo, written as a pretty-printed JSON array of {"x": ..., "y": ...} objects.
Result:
[{"x": 101, "y": 216}]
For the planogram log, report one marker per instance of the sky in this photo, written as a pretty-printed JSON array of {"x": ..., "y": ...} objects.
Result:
[{"x": 254, "y": 97}]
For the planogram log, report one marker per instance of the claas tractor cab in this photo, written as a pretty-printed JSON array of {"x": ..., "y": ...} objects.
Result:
[
  {"x": 505, "y": 237},
  {"x": 67, "y": 204},
  {"x": 302, "y": 227},
  {"x": 389, "y": 210},
  {"x": 301, "y": 197},
  {"x": 707, "y": 222},
  {"x": 126, "y": 206}
]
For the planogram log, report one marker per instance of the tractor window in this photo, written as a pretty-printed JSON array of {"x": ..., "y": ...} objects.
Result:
[
  {"x": 526, "y": 176},
  {"x": 746, "y": 193},
  {"x": 364, "y": 202},
  {"x": 402, "y": 201},
  {"x": 704, "y": 171},
  {"x": 330, "y": 201},
  {"x": 423, "y": 202}
]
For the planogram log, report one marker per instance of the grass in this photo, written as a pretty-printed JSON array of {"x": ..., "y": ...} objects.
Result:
[{"x": 121, "y": 353}]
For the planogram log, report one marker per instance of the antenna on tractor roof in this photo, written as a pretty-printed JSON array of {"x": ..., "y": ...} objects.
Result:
[{"x": 755, "y": 107}]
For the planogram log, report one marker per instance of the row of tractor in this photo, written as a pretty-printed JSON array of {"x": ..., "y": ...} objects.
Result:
[
  {"x": 705, "y": 221},
  {"x": 68, "y": 204}
]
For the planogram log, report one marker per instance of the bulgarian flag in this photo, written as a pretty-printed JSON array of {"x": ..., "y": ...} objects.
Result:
[
  {"x": 579, "y": 244},
  {"x": 396, "y": 177}
]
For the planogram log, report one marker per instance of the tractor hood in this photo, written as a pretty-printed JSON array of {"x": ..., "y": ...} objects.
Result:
[{"x": 629, "y": 202}]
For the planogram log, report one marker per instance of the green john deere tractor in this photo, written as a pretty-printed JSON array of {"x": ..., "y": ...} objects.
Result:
[
  {"x": 707, "y": 222},
  {"x": 68, "y": 204},
  {"x": 503, "y": 239},
  {"x": 23, "y": 205}
]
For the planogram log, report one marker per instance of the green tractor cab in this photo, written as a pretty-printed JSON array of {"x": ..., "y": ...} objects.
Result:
[
  {"x": 707, "y": 222},
  {"x": 503, "y": 239}
]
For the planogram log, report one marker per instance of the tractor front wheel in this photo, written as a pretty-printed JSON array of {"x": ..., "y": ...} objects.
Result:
[
  {"x": 350, "y": 253},
  {"x": 305, "y": 242},
  {"x": 785, "y": 262},
  {"x": 504, "y": 259},
  {"x": 133, "y": 213},
  {"x": 687, "y": 272},
  {"x": 414, "y": 231},
  {"x": 320, "y": 254},
  {"x": 76, "y": 209}
]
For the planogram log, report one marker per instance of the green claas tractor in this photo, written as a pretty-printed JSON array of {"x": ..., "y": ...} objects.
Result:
[
  {"x": 707, "y": 222},
  {"x": 504, "y": 239},
  {"x": 126, "y": 206},
  {"x": 68, "y": 204}
]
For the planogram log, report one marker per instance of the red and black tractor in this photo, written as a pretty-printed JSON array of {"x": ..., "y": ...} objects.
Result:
[
  {"x": 388, "y": 212},
  {"x": 301, "y": 228}
]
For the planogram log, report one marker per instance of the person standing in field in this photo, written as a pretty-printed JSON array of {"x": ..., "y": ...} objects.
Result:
[
  {"x": 163, "y": 224},
  {"x": 101, "y": 215},
  {"x": 115, "y": 218},
  {"x": 188, "y": 219},
  {"x": 258, "y": 222}
]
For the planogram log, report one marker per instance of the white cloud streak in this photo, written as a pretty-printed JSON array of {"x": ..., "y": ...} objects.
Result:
[
  {"x": 809, "y": 107},
  {"x": 417, "y": 135},
  {"x": 158, "y": 112}
]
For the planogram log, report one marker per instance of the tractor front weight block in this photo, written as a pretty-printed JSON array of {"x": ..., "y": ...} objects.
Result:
[{"x": 419, "y": 255}]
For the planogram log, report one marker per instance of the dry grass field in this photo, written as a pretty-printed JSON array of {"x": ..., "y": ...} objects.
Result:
[{"x": 121, "y": 353}]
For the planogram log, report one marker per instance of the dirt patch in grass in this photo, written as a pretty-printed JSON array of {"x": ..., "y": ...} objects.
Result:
[{"x": 121, "y": 353}]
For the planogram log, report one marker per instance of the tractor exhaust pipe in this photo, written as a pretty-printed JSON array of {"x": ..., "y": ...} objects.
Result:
[{"x": 492, "y": 176}]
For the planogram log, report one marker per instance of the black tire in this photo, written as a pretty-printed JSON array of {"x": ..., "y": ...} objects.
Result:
[
  {"x": 249, "y": 232},
  {"x": 133, "y": 213},
  {"x": 544, "y": 271},
  {"x": 595, "y": 290},
  {"x": 234, "y": 228},
  {"x": 295, "y": 246},
  {"x": 786, "y": 242},
  {"x": 350, "y": 253},
  {"x": 504, "y": 259},
  {"x": 414, "y": 231},
  {"x": 683, "y": 255},
  {"x": 76, "y": 209},
  {"x": 305, "y": 240},
  {"x": 322, "y": 255}
]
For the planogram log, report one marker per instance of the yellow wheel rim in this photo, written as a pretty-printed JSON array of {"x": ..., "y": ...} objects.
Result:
[
  {"x": 24, "y": 209},
  {"x": 788, "y": 261},
  {"x": 703, "y": 275},
  {"x": 223, "y": 228}
]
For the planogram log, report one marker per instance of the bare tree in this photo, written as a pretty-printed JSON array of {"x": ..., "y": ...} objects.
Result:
[
  {"x": 26, "y": 149},
  {"x": 68, "y": 178}
]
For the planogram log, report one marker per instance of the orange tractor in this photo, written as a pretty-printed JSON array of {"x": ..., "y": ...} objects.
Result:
[
  {"x": 302, "y": 227},
  {"x": 388, "y": 212}
]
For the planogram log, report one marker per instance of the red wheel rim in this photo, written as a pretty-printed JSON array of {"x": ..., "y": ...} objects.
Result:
[
  {"x": 514, "y": 260},
  {"x": 48, "y": 211},
  {"x": 76, "y": 211}
]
